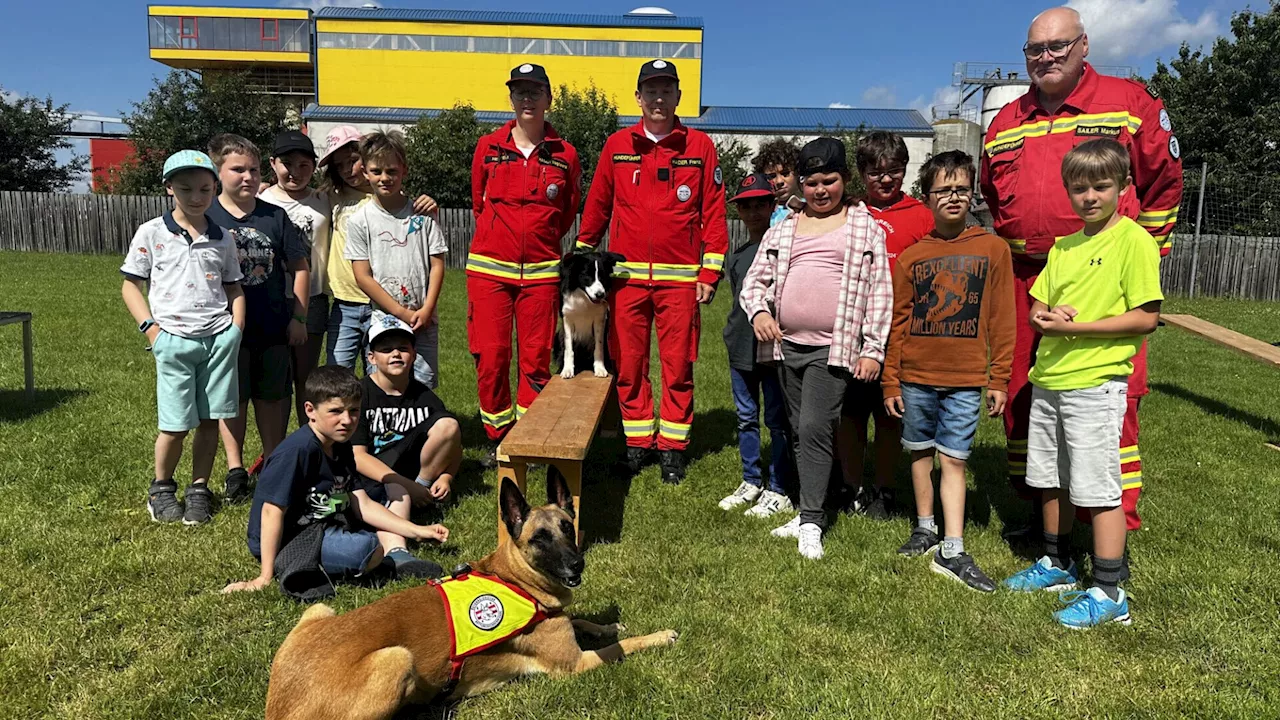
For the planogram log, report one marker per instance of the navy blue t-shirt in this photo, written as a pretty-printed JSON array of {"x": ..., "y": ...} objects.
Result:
[
  {"x": 311, "y": 486},
  {"x": 266, "y": 241}
]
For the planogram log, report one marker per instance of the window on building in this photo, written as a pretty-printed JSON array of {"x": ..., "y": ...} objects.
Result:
[
  {"x": 188, "y": 32},
  {"x": 500, "y": 46}
]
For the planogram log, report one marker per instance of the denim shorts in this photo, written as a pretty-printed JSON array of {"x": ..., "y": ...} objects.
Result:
[
  {"x": 346, "y": 553},
  {"x": 942, "y": 418},
  {"x": 348, "y": 324},
  {"x": 196, "y": 378}
]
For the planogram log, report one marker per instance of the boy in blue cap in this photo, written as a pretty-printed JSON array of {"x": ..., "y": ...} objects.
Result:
[{"x": 182, "y": 286}]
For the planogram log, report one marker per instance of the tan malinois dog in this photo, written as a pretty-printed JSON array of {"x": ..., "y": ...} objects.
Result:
[{"x": 372, "y": 661}]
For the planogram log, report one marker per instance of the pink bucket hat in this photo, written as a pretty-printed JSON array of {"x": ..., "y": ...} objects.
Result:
[{"x": 338, "y": 137}]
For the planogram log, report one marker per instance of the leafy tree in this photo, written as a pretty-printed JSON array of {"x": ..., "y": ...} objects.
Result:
[
  {"x": 440, "y": 149},
  {"x": 1225, "y": 109},
  {"x": 183, "y": 111},
  {"x": 31, "y": 132},
  {"x": 735, "y": 163},
  {"x": 586, "y": 118}
]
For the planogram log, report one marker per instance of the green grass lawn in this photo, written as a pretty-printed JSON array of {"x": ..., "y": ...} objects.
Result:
[{"x": 104, "y": 614}]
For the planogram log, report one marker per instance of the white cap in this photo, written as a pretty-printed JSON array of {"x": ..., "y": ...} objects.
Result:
[{"x": 387, "y": 323}]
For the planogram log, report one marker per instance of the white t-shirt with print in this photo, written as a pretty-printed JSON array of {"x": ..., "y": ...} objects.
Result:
[
  {"x": 398, "y": 247},
  {"x": 311, "y": 216},
  {"x": 185, "y": 276}
]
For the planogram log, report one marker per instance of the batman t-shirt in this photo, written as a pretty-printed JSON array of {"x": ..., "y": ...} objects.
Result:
[{"x": 394, "y": 427}]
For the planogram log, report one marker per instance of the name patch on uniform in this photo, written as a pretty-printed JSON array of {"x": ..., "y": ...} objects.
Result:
[
  {"x": 686, "y": 162},
  {"x": 555, "y": 162},
  {"x": 1102, "y": 130},
  {"x": 625, "y": 158},
  {"x": 1004, "y": 147}
]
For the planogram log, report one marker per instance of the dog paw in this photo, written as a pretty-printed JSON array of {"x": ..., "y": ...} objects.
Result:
[
  {"x": 669, "y": 637},
  {"x": 599, "y": 370},
  {"x": 618, "y": 629},
  {"x": 567, "y": 373}
]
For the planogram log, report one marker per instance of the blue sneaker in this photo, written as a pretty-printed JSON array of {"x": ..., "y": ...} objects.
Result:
[
  {"x": 1044, "y": 576},
  {"x": 1091, "y": 608}
]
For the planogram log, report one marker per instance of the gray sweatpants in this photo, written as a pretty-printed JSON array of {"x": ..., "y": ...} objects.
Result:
[{"x": 815, "y": 396}]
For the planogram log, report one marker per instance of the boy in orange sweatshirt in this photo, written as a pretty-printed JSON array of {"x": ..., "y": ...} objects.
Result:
[{"x": 953, "y": 332}]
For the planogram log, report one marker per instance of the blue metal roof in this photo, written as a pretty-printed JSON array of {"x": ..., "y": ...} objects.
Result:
[
  {"x": 770, "y": 120},
  {"x": 493, "y": 17}
]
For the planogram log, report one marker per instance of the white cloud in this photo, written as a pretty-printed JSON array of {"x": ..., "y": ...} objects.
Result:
[
  {"x": 317, "y": 4},
  {"x": 942, "y": 97},
  {"x": 839, "y": 106},
  {"x": 879, "y": 96},
  {"x": 1121, "y": 30}
]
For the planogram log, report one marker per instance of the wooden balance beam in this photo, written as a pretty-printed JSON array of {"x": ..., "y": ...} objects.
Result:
[
  {"x": 557, "y": 430},
  {"x": 1251, "y": 347}
]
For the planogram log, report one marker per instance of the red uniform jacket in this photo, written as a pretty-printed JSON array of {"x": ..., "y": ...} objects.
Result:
[
  {"x": 663, "y": 205},
  {"x": 523, "y": 206},
  {"x": 1022, "y": 162},
  {"x": 904, "y": 223}
]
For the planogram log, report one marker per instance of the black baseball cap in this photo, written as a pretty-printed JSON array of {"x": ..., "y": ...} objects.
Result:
[
  {"x": 531, "y": 73},
  {"x": 657, "y": 69},
  {"x": 291, "y": 140},
  {"x": 822, "y": 155},
  {"x": 753, "y": 186}
]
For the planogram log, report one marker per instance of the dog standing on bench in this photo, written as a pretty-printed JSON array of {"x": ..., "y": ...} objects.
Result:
[
  {"x": 585, "y": 279},
  {"x": 405, "y": 649}
]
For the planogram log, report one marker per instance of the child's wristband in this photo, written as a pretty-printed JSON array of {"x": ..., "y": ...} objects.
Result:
[
  {"x": 422, "y": 482},
  {"x": 301, "y": 318}
]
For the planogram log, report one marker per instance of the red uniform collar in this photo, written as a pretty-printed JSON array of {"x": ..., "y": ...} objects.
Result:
[
  {"x": 677, "y": 129},
  {"x": 1080, "y": 98},
  {"x": 550, "y": 137},
  {"x": 902, "y": 203}
]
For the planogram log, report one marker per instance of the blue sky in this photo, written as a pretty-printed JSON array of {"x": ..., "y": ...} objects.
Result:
[{"x": 93, "y": 53}]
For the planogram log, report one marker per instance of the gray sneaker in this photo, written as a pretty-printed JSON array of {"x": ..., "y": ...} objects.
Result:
[
  {"x": 162, "y": 501},
  {"x": 961, "y": 568},
  {"x": 920, "y": 542},
  {"x": 199, "y": 503}
]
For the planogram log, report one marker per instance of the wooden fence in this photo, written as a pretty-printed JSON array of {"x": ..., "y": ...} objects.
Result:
[{"x": 1226, "y": 266}]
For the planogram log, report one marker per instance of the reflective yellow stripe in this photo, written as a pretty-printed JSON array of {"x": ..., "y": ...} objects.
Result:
[
  {"x": 637, "y": 428},
  {"x": 713, "y": 261},
  {"x": 515, "y": 271},
  {"x": 674, "y": 430},
  {"x": 1020, "y": 247},
  {"x": 1041, "y": 128},
  {"x": 498, "y": 419},
  {"x": 1131, "y": 480},
  {"x": 1164, "y": 241},
  {"x": 520, "y": 411},
  {"x": 1019, "y": 466},
  {"x": 579, "y": 245},
  {"x": 669, "y": 272},
  {"x": 1017, "y": 444}
]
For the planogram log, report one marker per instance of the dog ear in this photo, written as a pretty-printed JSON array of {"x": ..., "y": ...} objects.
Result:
[
  {"x": 615, "y": 257},
  {"x": 514, "y": 509},
  {"x": 558, "y": 491}
]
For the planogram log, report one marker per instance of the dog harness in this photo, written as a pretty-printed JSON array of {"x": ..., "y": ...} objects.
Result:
[{"x": 483, "y": 611}]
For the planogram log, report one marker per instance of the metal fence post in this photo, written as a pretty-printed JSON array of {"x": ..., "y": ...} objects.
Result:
[{"x": 1195, "y": 245}]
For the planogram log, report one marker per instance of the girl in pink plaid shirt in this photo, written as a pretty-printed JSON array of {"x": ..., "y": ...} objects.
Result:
[{"x": 826, "y": 329}]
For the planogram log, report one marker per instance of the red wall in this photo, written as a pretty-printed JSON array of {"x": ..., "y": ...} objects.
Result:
[{"x": 104, "y": 155}]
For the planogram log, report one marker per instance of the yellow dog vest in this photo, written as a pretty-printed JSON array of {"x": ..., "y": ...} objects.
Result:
[{"x": 483, "y": 611}]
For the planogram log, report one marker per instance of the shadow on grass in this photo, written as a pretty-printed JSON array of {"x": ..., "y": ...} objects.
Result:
[
  {"x": 1264, "y": 425},
  {"x": 15, "y": 406}
]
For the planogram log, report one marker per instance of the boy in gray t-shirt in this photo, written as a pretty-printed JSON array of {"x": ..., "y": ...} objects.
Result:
[{"x": 397, "y": 255}]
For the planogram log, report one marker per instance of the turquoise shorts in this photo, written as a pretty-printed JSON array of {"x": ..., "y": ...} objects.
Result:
[{"x": 196, "y": 378}]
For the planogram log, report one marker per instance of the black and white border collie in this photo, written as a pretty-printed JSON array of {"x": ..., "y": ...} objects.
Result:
[{"x": 585, "y": 278}]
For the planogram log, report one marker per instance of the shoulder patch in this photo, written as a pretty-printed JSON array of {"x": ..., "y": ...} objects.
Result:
[
  {"x": 1175, "y": 150},
  {"x": 1151, "y": 91},
  {"x": 626, "y": 158},
  {"x": 719, "y": 178},
  {"x": 1165, "y": 123}
]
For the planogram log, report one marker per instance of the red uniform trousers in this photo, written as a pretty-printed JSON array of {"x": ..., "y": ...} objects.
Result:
[
  {"x": 1017, "y": 412},
  {"x": 491, "y": 306},
  {"x": 674, "y": 310}
]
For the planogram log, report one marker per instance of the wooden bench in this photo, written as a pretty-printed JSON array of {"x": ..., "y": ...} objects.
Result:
[
  {"x": 28, "y": 358},
  {"x": 557, "y": 430},
  {"x": 1241, "y": 343}
]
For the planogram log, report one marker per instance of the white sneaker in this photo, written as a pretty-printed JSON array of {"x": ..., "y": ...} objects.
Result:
[
  {"x": 811, "y": 541},
  {"x": 746, "y": 493},
  {"x": 790, "y": 530},
  {"x": 769, "y": 504}
]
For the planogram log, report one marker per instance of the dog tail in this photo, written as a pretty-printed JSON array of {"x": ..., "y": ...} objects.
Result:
[{"x": 319, "y": 611}]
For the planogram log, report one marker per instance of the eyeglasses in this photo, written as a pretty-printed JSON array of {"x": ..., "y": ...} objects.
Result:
[
  {"x": 947, "y": 193},
  {"x": 534, "y": 93},
  {"x": 1057, "y": 50},
  {"x": 896, "y": 173}
]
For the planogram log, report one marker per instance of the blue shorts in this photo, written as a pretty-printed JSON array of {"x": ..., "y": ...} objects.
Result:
[
  {"x": 347, "y": 553},
  {"x": 942, "y": 418},
  {"x": 196, "y": 378}
]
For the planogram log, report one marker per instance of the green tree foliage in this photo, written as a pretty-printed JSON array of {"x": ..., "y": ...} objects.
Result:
[
  {"x": 183, "y": 111},
  {"x": 440, "y": 149},
  {"x": 586, "y": 118},
  {"x": 1225, "y": 108},
  {"x": 735, "y": 163},
  {"x": 30, "y": 133}
]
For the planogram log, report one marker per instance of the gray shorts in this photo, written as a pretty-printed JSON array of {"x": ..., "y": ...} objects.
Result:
[{"x": 1073, "y": 442}]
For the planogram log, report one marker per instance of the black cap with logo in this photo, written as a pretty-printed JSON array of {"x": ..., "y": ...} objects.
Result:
[
  {"x": 291, "y": 140},
  {"x": 752, "y": 186},
  {"x": 531, "y": 73},
  {"x": 822, "y": 155},
  {"x": 657, "y": 69}
]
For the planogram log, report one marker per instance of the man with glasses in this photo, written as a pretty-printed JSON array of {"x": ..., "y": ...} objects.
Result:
[{"x": 1070, "y": 103}]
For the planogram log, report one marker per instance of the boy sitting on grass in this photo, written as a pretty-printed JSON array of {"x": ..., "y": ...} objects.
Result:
[
  {"x": 1098, "y": 295},
  {"x": 193, "y": 315},
  {"x": 310, "y": 493},
  {"x": 953, "y": 333},
  {"x": 407, "y": 438}
]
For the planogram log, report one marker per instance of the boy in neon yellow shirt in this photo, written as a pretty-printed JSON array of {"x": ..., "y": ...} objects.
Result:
[{"x": 1098, "y": 295}]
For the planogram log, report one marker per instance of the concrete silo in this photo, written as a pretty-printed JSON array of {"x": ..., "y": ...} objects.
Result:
[
  {"x": 957, "y": 134},
  {"x": 995, "y": 97}
]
